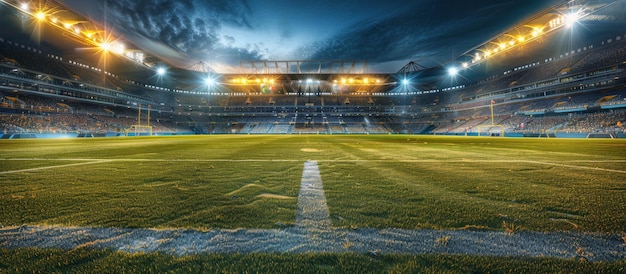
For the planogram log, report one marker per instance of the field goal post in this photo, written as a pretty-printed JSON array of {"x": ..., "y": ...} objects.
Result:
[
  {"x": 139, "y": 130},
  {"x": 488, "y": 130}
]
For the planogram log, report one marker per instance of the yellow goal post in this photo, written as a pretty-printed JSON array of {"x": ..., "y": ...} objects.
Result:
[{"x": 139, "y": 130}]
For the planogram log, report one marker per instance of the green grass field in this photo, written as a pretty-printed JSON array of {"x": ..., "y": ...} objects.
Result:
[{"x": 386, "y": 181}]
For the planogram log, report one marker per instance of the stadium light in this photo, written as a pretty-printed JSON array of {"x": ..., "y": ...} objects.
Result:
[
  {"x": 40, "y": 15},
  {"x": 160, "y": 71},
  {"x": 105, "y": 46},
  {"x": 453, "y": 71},
  {"x": 571, "y": 19},
  {"x": 405, "y": 81}
]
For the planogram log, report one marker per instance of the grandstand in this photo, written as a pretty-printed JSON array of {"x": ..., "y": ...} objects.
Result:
[{"x": 566, "y": 91}]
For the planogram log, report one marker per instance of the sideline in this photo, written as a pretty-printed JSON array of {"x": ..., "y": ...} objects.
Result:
[{"x": 57, "y": 166}]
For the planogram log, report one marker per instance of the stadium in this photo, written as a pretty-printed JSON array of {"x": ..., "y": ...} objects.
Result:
[{"x": 506, "y": 155}]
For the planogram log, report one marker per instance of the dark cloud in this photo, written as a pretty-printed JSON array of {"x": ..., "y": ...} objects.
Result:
[
  {"x": 431, "y": 31},
  {"x": 191, "y": 28},
  {"x": 382, "y": 32}
]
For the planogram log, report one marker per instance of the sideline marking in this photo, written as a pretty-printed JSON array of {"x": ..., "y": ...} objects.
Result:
[
  {"x": 312, "y": 211},
  {"x": 104, "y": 160},
  {"x": 323, "y": 160},
  {"x": 580, "y": 167},
  {"x": 51, "y": 167}
]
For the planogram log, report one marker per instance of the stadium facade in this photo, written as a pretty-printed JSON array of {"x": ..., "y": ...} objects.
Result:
[{"x": 543, "y": 88}]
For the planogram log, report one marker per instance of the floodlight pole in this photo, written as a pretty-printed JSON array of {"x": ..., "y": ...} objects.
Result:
[
  {"x": 491, "y": 107},
  {"x": 139, "y": 115},
  {"x": 149, "y": 115}
]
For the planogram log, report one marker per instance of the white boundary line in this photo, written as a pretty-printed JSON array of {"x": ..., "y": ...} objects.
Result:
[
  {"x": 107, "y": 160},
  {"x": 580, "y": 167},
  {"x": 312, "y": 211},
  {"x": 301, "y": 160},
  {"x": 51, "y": 167}
]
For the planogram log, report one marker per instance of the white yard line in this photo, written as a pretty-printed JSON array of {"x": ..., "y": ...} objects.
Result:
[
  {"x": 578, "y": 167},
  {"x": 52, "y": 167},
  {"x": 300, "y": 160},
  {"x": 312, "y": 211}
]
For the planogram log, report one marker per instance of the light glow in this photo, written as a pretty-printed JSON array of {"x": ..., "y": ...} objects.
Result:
[
  {"x": 453, "y": 71},
  {"x": 40, "y": 16},
  {"x": 571, "y": 19}
]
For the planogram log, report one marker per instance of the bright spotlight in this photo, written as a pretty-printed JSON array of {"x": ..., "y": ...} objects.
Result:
[
  {"x": 571, "y": 19},
  {"x": 105, "y": 46},
  {"x": 118, "y": 47},
  {"x": 405, "y": 81},
  {"x": 40, "y": 16},
  {"x": 209, "y": 81},
  {"x": 24, "y": 6},
  {"x": 453, "y": 71},
  {"x": 160, "y": 71}
]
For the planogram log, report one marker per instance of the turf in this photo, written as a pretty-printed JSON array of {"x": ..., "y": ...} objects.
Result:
[
  {"x": 30, "y": 260},
  {"x": 382, "y": 181},
  {"x": 206, "y": 182}
]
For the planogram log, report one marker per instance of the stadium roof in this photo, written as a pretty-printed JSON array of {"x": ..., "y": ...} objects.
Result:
[{"x": 387, "y": 34}]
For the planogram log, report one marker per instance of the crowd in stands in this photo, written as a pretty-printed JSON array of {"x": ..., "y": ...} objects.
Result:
[{"x": 517, "y": 100}]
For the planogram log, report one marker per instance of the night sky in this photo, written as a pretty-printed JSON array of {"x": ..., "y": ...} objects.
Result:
[{"x": 388, "y": 34}]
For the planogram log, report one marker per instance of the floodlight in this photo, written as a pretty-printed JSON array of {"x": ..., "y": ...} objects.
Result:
[
  {"x": 536, "y": 31},
  {"x": 453, "y": 71},
  {"x": 161, "y": 71},
  {"x": 405, "y": 81},
  {"x": 24, "y": 6},
  {"x": 209, "y": 81},
  {"x": 105, "y": 46},
  {"x": 118, "y": 47},
  {"x": 40, "y": 15},
  {"x": 571, "y": 19}
]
